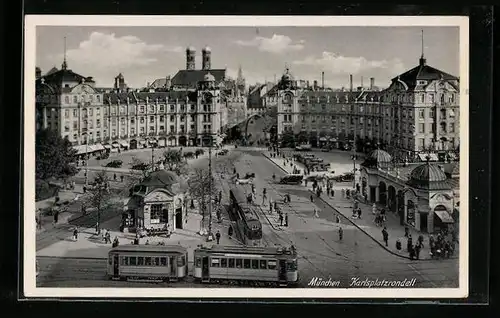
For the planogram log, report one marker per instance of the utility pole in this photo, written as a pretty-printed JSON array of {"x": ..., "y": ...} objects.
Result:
[
  {"x": 209, "y": 238},
  {"x": 354, "y": 163}
]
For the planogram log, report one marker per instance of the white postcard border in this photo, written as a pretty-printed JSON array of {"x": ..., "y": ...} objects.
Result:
[{"x": 29, "y": 233}]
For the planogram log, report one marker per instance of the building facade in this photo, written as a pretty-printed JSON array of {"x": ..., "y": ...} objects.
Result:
[
  {"x": 71, "y": 105},
  {"x": 418, "y": 115}
]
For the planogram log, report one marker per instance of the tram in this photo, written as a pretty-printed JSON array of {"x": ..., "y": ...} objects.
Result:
[
  {"x": 245, "y": 214},
  {"x": 148, "y": 262},
  {"x": 276, "y": 266}
]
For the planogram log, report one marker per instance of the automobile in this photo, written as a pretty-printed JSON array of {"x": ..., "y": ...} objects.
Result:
[
  {"x": 325, "y": 149},
  {"x": 249, "y": 175},
  {"x": 114, "y": 164},
  {"x": 244, "y": 181},
  {"x": 292, "y": 179},
  {"x": 140, "y": 166},
  {"x": 346, "y": 177}
]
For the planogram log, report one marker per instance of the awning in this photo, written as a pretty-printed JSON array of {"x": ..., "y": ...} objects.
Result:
[
  {"x": 115, "y": 145},
  {"x": 432, "y": 156},
  {"x": 322, "y": 139},
  {"x": 444, "y": 216},
  {"x": 98, "y": 147},
  {"x": 124, "y": 144},
  {"x": 107, "y": 146},
  {"x": 82, "y": 149}
]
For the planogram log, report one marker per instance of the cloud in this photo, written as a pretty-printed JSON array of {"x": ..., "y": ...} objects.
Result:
[
  {"x": 339, "y": 64},
  {"x": 108, "y": 51},
  {"x": 276, "y": 44}
]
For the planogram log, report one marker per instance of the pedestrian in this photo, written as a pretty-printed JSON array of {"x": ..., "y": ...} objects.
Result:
[
  {"x": 417, "y": 250},
  {"x": 84, "y": 189},
  {"x": 270, "y": 207},
  {"x": 114, "y": 176},
  {"x": 147, "y": 242},
  {"x": 406, "y": 231},
  {"x": 75, "y": 233},
  {"x": 312, "y": 198},
  {"x": 374, "y": 208},
  {"x": 217, "y": 236},
  {"x": 281, "y": 219},
  {"x": 385, "y": 236},
  {"x": 332, "y": 192},
  {"x": 421, "y": 240},
  {"x": 230, "y": 231},
  {"x": 411, "y": 251},
  {"x": 341, "y": 233},
  {"x": 409, "y": 243},
  {"x": 121, "y": 178},
  {"x": 337, "y": 219},
  {"x": 359, "y": 213},
  {"x": 56, "y": 216},
  {"x": 316, "y": 215},
  {"x": 116, "y": 242},
  {"x": 286, "y": 219}
]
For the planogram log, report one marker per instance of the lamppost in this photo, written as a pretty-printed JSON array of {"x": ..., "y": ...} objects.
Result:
[
  {"x": 86, "y": 157},
  {"x": 209, "y": 237},
  {"x": 354, "y": 156}
]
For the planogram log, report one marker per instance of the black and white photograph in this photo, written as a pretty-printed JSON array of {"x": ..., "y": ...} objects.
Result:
[{"x": 246, "y": 156}]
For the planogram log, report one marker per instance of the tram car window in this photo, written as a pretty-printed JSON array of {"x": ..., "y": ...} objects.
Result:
[
  {"x": 147, "y": 262},
  {"x": 267, "y": 265}
]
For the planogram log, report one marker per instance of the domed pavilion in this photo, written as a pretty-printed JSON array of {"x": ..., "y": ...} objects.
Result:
[{"x": 158, "y": 202}]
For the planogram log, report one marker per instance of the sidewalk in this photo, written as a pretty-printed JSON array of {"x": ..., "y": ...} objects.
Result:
[
  {"x": 366, "y": 223},
  {"x": 91, "y": 245}
]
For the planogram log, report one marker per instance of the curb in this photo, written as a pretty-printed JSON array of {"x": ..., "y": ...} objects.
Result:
[{"x": 357, "y": 226}]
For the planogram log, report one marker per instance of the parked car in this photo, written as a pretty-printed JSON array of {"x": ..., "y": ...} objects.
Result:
[
  {"x": 292, "y": 179},
  {"x": 114, "y": 164},
  {"x": 346, "y": 177},
  {"x": 325, "y": 149},
  {"x": 141, "y": 166}
]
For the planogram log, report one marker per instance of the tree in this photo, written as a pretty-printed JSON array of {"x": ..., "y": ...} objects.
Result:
[
  {"x": 174, "y": 161},
  {"x": 201, "y": 188},
  {"x": 98, "y": 196},
  {"x": 53, "y": 155}
]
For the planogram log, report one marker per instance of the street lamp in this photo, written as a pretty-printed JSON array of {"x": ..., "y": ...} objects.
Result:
[
  {"x": 86, "y": 158},
  {"x": 210, "y": 238},
  {"x": 354, "y": 157}
]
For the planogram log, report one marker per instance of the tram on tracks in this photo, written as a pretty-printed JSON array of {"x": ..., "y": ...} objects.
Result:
[
  {"x": 148, "y": 262},
  {"x": 245, "y": 214},
  {"x": 275, "y": 266}
]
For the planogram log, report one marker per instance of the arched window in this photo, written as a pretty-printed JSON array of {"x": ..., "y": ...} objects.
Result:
[
  {"x": 66, "y": 99},
  {"x": 442, "y": 99},
  {"x": 75, "y": 99}
]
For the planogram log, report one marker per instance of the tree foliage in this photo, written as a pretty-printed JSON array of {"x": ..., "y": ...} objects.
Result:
[
  {"x": 174, "y": 161},
  {"x": 201, "y": 187},
  {"x": 98, "y": 196},
  {"x": 54, "y": 155}
]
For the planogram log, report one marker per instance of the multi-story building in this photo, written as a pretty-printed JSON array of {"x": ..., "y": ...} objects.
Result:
[
  {"x": 70, "y": 104},
  {"x": 416, "y": 116}
]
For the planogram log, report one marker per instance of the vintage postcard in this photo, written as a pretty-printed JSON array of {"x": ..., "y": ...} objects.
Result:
[{"x": 261, "y": 157}]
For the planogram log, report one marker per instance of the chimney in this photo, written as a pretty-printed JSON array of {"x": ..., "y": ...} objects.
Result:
[
  {"x": 372, "y": 83},
  {"x": 315, "y": 85},
  {"x": 350, "y": 82},
  {"x": 322, "y": 80}
]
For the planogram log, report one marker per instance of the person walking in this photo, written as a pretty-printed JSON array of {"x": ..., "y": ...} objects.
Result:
[
  {"x": 217, "y": 236},
  {"x": 75, "y": 233},
  {"x": 114, "y": 176},
  {"x": 385, "y": 236},
  {"x": 312, "y": 198},
  {"x": 56, "y": 216},
  {"x": 316, "y": 215},
  {"x": 230, "y": 231},
  {"x": 332, "y": 192},
  {"x": 121, "y": 178},
  {"x": 281, "y": 219},
  {"x": 341, "y": 233},
  {"x": 286, "y": 219},
  {"x": 409, "y": 244}
]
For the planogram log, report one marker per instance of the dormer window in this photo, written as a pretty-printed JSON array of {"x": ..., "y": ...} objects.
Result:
[{"x": 422, "y": 82}]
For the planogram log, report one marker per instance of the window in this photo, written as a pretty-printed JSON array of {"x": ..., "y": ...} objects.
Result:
[
  {"x": 291, "y": 266},
  {"x": 124, "y": 260},
  {"x": 147, "y": 261},
  {"x": 98, "y": 123},
  {"x": 162, "y": 108},
  {"x": 122, "y": 121},
  {"x": 132, "y": 121},
  {"x": 141, "y": 109},
  {"x": 132, "y": 131},
  {"x": 172, "y": 108},
  {"x": 431, "y": 113},
  {"x": 90, "y": 111},
  {"x": 75, "y": 99},
  {"x": 223, "y": 262},
  {"x": 66, "y": 113},
  {"x": 231, "y": 263},
  {"x": 152, "y": 109},
  {"x": 98, "y": 111},
  {"x": 255, "y": 264},
  {"x": 132, "y": 261},
  {"x": 246, "y": 263},
  {"x": 140, "y": 261},
  {"x": 141, "y": 120},
  {"x": 162, "y": 127},
  {"x": 193, "y": 118},
  {"x": 158, "y": 214},
  {"x": 163, "y": 261},
  {"x": 197, "y": 262},
  {"x": 263, "y": 264},
  {"x": 238, "y": 263},
  {"x": 431, "y": 97},
  {"x": 98, "y": 98},
  {"x": 421, "y": 113},
  {"x": 452, "y": 127},
  {"x": 421, "y": 128},
  {"x": 151, "y": 119},
  {"x": 66, "y": 128},
  {"x": 443, "y": 113},
  {"x": 181, "y": 260},
  {"x": 142, "y": 130},
  {"x": 156, "y": 261},
  {"x": 75, "y": 125},
  {"x": 152, "y": 128},
  {"x": 172, "y": 118},
  {"x": 421, "y": 143},
  {"x": 422, "y": 98},
  {"x": 66, "y": 99},
  {"x": 75, "y": 112},
  {"x": 271, "y": 264},
  {"x": 162, "y": 119},
  {"x": 215, "y": 262}
]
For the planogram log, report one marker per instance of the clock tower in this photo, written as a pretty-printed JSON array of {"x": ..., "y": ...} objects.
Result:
[
  {"x": 287, "y": 112},
  {"x": 209, "y": 111}
]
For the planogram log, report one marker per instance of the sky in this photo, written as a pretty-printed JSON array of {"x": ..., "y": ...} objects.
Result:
[{"x": 143, "y": 54}]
